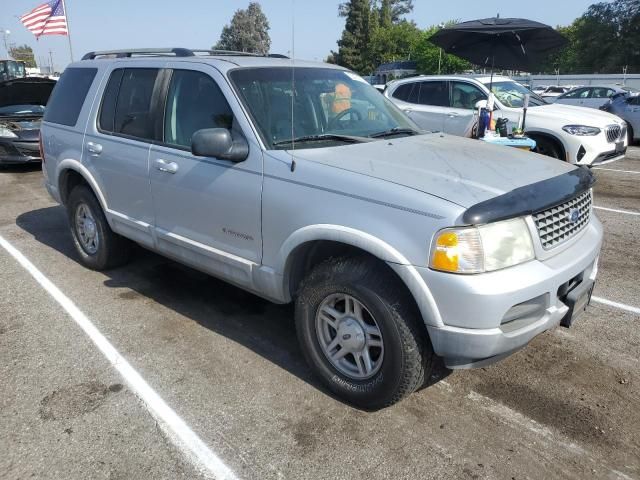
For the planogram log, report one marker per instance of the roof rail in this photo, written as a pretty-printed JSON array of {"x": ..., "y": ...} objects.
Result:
[{"x": 176, "y": 52}]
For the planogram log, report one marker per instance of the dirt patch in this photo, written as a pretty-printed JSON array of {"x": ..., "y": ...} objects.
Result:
[{"x": 71, "y": 402}]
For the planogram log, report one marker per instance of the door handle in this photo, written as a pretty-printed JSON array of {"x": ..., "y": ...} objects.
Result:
[
  {"x": 453, "y": 114},
  {"x": 94, "y": 148},
  {"x": 168, "y": 167},
  {"x": 408, "y": 110}
]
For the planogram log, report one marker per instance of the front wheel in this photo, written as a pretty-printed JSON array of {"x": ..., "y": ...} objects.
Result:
[
  {"x": 360, "y": 332},
  {"x": 98, "y": 246},
  {"x": 548, "y": 147}
]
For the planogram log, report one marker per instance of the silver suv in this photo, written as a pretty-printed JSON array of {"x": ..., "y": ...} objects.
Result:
[{"x": 299, "y": 182}]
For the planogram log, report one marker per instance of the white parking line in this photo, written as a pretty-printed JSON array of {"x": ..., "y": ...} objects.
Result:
[
  {"x": 616, "y": 170},
  {"x": 615, "y": 210},
  {"x": 174, "y": 427},
  {"x": 621, "y": 306}
]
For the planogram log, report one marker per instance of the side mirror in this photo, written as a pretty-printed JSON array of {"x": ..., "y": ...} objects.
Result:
[{"x": 218, "y": 143}]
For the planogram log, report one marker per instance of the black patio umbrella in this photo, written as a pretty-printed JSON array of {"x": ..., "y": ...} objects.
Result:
[{"x": 511, "y": 43}]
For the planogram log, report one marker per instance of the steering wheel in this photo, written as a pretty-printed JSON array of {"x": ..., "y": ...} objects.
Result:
[{"x": 349, "y": 111}]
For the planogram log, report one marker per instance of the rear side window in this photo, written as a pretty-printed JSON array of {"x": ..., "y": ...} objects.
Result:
[
  {"x": 434, "y": 93},
  {"x": 107, "y": 117},
  {"x": 403, "y": 92},
  {"x": 68, "y": 96},
  {"x": 133, "y": 109}
]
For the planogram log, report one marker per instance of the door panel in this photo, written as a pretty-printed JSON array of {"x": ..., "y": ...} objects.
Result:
[
  {"x": 117, "y": 152},
  {"x": 426, "y": 103},
  {"x": 207, "y": 210},
  {"x": 460, "y": 116}
]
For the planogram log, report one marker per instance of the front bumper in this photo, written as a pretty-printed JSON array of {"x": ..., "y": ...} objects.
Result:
[
  {"x": 18, "y": 152},
  {"x": 489, "y": 316},
  {"x": 595, "y": 150}
]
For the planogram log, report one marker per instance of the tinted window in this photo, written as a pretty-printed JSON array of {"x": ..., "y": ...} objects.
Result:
[
  {"x": 464, "y": 95},
  {"x": 578, "y": 93},
  {"x": 403, "y": 92},
  {"x": 194, "y": 102},
  {"x": 68, "y": 96},
  {"x": 133, "y": 108},
  {"x": 434, "y": 93},
  {"x": 107, "y": 117}
]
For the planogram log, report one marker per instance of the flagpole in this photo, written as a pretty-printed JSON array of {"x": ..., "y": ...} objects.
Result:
[{"x": 66, "y": 13}]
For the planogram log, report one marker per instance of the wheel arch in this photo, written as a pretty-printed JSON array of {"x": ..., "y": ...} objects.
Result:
[
  {"x": 552, "y": 138},
  {"x": 311, "y": 245},
  {"x": 72, "y": 173}
]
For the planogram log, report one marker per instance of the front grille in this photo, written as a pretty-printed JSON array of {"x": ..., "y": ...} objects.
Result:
[
  {"x": 614, "y": 133},
  {"x": 558, "y": 224}
]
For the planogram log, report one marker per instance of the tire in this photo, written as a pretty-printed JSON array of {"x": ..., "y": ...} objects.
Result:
[
  {"x": 109, "y": 250},
  {"x": 548, "y": 147},
  {"x": 630, "y": 134},
  {"x": 405, "y": 357}
]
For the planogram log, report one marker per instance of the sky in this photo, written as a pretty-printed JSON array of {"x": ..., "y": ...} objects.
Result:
[{"x": 111, "y": 24}]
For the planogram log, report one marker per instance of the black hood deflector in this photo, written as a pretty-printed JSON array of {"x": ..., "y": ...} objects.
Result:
[
  {"x": 26, "y": 91},
  {"x": 530, "y": 198}
]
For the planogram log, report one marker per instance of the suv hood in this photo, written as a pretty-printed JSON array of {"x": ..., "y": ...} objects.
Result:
[
  {"x": 572, "y": 115},
  {"x": 460, "y": 170},
  {"x": 26, "y": 91}
]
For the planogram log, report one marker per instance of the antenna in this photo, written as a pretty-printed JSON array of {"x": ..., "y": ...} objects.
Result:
[{"x": 293, "y": 82}]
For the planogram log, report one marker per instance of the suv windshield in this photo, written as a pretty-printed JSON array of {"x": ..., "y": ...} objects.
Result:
[
  {"x": 511, "y": 94},
  {"x": 328, "y": 107}
]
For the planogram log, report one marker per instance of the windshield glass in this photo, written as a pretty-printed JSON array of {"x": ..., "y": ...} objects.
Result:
[
  {"x": 11, "y": 69},
  {"x": 511, "y": 94},
  {"x": 327, "y": 102},
  {"x": 22, "y": 110}
]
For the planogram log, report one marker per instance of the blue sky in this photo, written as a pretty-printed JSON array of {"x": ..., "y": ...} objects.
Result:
[{"x": 197, "y": 23}]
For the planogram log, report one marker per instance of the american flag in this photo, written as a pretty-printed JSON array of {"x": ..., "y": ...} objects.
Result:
[{"x": 47, "y": 19}]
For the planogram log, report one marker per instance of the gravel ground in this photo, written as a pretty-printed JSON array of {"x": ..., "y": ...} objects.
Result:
[{"x": 228, "y": 363}]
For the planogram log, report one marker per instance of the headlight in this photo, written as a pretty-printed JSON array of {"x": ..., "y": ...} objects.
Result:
[
  {"x": 581, "y": 130},
  {"x": 482, "y": 249},
  {"x": 6, "y": 133}
]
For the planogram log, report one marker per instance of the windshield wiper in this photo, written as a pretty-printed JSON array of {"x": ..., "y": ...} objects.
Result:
[
  {"x": 394, "y": 131},
  {"x": 321, "y": 137}
]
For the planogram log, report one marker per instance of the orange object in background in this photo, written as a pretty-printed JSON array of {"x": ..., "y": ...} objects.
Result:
[{"x": 342, "y": 98}]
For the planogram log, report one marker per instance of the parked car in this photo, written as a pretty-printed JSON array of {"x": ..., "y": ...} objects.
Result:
[
  {"x": 627, "y": 107},
  {"x": 395, "y": 245},
  {"x": 538, "y": 89},
  {"x": 22, "y": 103},
  {"x": 448, "y": 104},
  {"x": 592, "y": 96},
  {"x": 553, "y": 92}
]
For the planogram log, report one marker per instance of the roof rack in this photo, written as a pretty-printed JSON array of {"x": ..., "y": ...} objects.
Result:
[{"x": 176, "y": 52}]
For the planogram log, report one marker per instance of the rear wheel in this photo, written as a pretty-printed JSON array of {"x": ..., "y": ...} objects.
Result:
[
  {"x": 98, "y": 246},
  {"x": 548, "y": 147},
  {"x": 361, "y": 333}
]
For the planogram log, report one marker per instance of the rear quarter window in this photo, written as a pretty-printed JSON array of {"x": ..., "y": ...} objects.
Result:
[{"x": 69, "y": 95}]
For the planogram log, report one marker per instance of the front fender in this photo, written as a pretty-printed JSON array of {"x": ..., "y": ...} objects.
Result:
[{"x": 370, "y": 244}]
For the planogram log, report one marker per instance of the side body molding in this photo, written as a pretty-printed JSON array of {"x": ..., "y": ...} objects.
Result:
[{"x": 373, "y": 245}]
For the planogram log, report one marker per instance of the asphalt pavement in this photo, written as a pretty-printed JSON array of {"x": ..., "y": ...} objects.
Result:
[{"x": 228, "y": 364}]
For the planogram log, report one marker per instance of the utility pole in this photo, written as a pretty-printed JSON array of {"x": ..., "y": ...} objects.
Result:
[
  {"x": 624, "y": 75},
  {"x": 50, "y": 62},
  {"x": 5, "y": 34}
]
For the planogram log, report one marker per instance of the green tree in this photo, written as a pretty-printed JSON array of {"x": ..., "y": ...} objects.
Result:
[
  {"x": 248, "y": 31},
  {"x": 429, "y": 57},
  {"x": 23, "y": 53},
  {"x": 353, "y": 45}
]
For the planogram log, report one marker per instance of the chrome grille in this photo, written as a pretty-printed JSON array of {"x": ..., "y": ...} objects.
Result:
[
  {"x": 614, "y": 133},
  {"x": 558, "y": 224}
]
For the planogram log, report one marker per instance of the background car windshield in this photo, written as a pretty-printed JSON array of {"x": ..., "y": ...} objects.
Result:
[
  {"x": 511, "y": 94},
  {"x": 325, "y": 101},
  {"x": 22, "y": 110}
]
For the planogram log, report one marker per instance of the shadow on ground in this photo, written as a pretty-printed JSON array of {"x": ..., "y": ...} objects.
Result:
[{"x": 266, "y": 328}]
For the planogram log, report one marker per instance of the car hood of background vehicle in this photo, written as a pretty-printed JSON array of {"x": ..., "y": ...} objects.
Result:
[
  {"x": 460, "y": 170},
  {"x": 572, "y": 115},
  {"x": 26, "y": 91}
]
